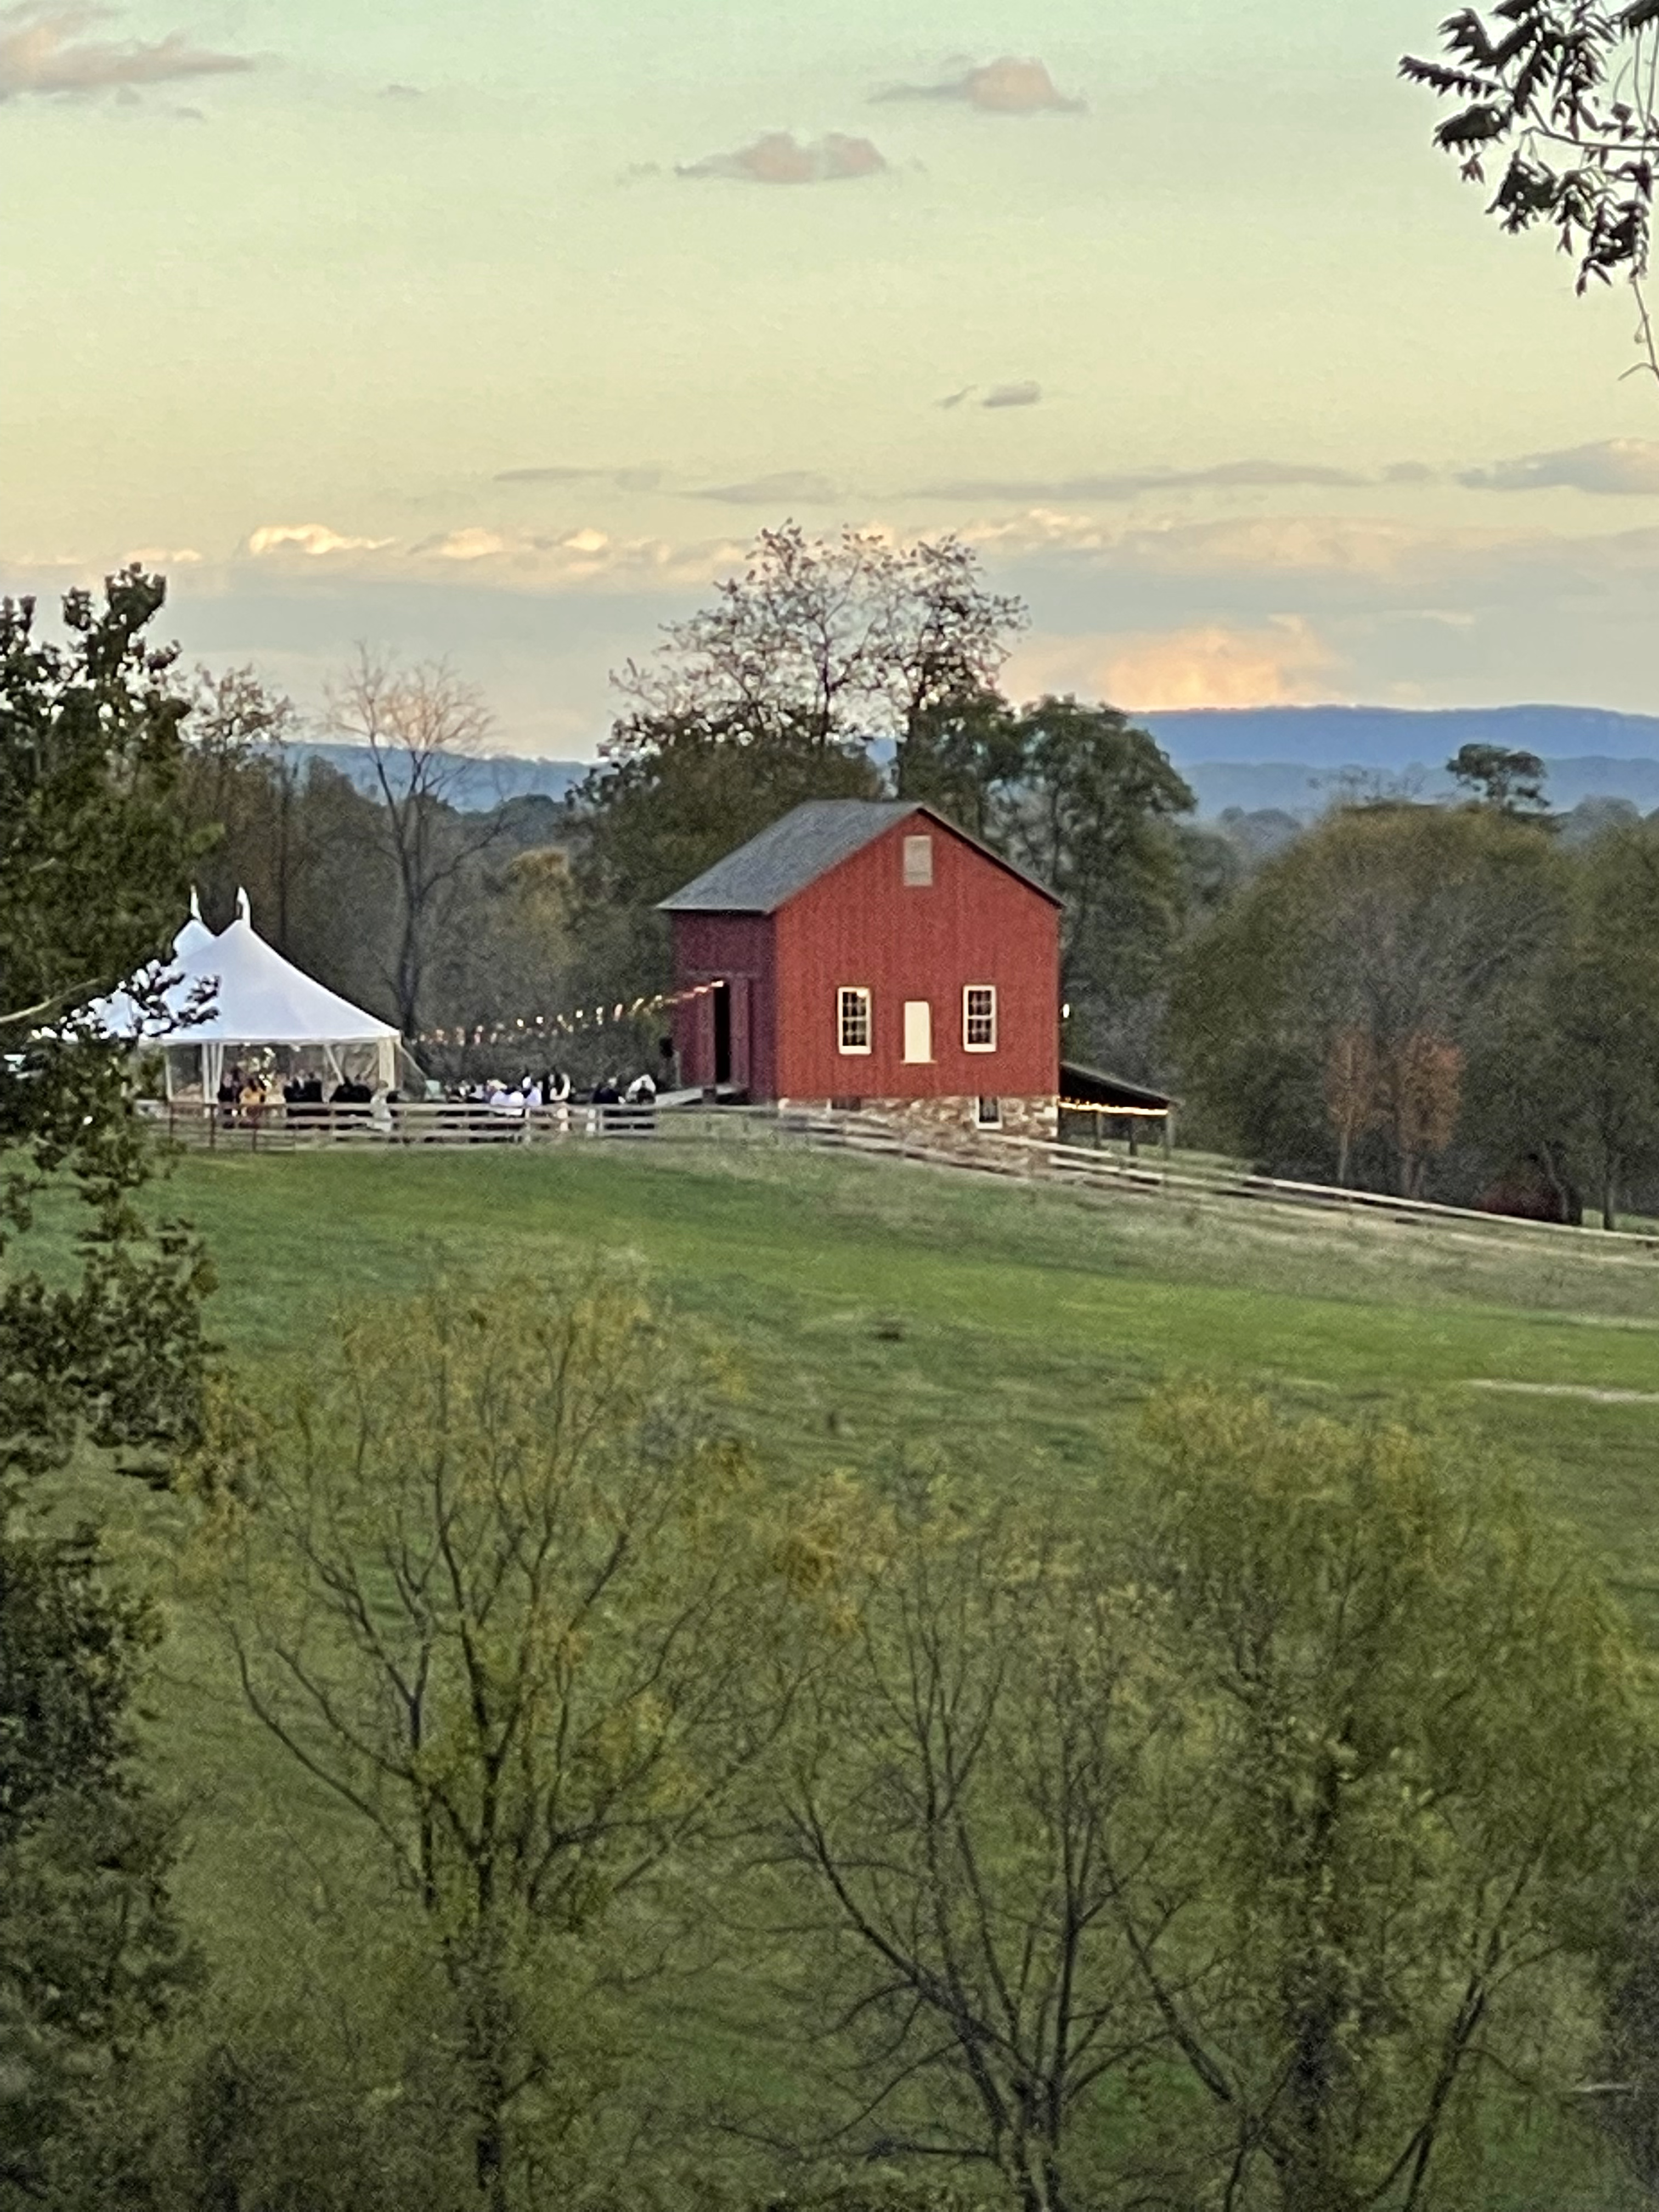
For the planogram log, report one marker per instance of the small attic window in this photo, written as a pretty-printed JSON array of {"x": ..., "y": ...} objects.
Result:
[{"x": 918, "y": 864}]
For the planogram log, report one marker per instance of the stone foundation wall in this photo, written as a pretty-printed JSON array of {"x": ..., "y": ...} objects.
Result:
[{"x": 1021, "y": 1117}]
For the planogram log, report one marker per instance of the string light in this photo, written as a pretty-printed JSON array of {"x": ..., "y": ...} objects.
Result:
[{"x": 581, "y": 1020}]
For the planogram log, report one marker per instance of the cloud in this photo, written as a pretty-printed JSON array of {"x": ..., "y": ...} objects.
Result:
[
  {"x": 1013, "y": 395},
  {"x": 623, "y": 479},
  {"x": 1007, "y": 86},
  {"x": 779, "y": 158},
  {"x": 1281, "y": 663},
  {"x": 43, "y": 48},
  {"x": 1135, "y": 483},
  {"x": 161, "y": 558},
  {"x": 528, "y": 560},
  {"x": 796, "y": 486},
  {"x": 1330, "y": 545},
  {"x": 470, "y": 544},
  {"x": 314, "y": 539},
  {"x": 401, "y": 92},
  {"x": 1617, "y": 465}
]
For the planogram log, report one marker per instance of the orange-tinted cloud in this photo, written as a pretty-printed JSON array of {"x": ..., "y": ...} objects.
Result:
[
  {"x": 1011, "y": 85},
  {"x": 315, "y": 540},
  {"x": 779, "y": 158},
  {"x": 1212, "y": 664},
  {"x": 43, "y": 49}
]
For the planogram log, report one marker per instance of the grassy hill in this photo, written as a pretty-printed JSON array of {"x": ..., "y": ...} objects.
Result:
[
  {"x": 879, "y": 1312},
  {"x": 873, "y": 1307}
]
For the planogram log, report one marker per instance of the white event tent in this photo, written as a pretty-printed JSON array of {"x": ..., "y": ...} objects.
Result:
[{"x": 232, "y": 994}]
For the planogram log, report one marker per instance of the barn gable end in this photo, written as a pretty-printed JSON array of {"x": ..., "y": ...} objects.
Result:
[{"x": 948, "y": 958}]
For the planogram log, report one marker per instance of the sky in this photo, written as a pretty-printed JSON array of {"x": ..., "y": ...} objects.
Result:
[{"x": 493, "y": 330}]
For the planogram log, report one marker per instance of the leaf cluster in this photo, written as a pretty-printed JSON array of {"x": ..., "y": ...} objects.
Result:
[{"x": 1565, "y": 89}]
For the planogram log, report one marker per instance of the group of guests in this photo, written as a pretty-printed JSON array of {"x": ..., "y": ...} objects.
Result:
[
  {"x": 245, "y": 1094},
  {"x": 531, "y": 1092},
  {"x": 552, "y": 1088},
  {"x": 641, "y": 1091}
]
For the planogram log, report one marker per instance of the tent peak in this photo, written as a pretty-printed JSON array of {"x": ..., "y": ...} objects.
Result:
[
  {"x": 195, "y": 904},
  {"x": 244, "y": 911}
]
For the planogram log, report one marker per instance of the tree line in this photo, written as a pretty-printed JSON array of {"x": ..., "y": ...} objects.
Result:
[{"x": 1457, "y": 1000}]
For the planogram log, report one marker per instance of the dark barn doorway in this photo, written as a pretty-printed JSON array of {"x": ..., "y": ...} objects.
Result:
[{"x": 722, "y": 1032}]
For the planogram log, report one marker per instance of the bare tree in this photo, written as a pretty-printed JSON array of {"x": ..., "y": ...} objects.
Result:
[
  {"x": 831, "y": 642},
  {"x": 943, "y": 1847},
  {"x": 422, "y": 727},
  {"x": 1353, "y": 1100}
]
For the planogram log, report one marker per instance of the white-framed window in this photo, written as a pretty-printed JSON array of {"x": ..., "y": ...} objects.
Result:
[
  {"x": 988, "y": 1112},
  {"x": 918, "y": 864},
  {"x": 979, "y": 1017},
  {"x": 918, "y": 1030},
  {"x": 853, "y": 1018}
]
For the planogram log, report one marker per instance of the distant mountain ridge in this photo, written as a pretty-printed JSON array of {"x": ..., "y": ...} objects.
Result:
[
  {"x": 477, "y": 785},
  {"x": 1296, "y": 758},
  {"x": 1397, "y": 737}
]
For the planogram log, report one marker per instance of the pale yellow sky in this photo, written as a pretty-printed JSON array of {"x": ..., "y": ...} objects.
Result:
[{"x": 497, "y": 330}]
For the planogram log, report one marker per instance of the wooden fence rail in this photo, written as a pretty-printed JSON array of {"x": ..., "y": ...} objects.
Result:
[{"x": 1076, "y": 1167}]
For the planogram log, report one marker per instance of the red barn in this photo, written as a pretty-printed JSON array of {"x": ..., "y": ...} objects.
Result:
[{"x": 870, "y": 953}]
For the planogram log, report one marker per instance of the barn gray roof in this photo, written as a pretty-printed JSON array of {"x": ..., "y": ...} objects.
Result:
[{"x": 797, "y": 849}]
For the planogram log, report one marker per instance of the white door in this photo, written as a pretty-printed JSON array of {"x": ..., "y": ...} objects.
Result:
[{"x": 918, "y": 1030}]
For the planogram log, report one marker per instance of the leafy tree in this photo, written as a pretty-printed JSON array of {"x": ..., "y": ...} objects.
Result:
[
  {"x": 1513, "y": 782},
  {"x": 1563, "y": 90},
  {"x": 1424, "y": 1078},
  {"x": 252, "y": 808},
  {"x": 1423, "y": 1756},
  {"x": 670, "y": 796},
  {"x": 1399, "y": 923},
  {"x": 1091, "y": 813},
  {"x": 821, "y": 653},
  {"x": 963, "y": 756},
  {"x": 1601, "y": 1064},
  {"x": 94, "y": 874},
  {"x": 91, "y": 1957},
  {"x": 505, "y": 1595}
]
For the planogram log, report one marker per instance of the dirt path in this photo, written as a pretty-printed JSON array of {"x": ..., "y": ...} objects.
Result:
[{"x": 1596, "y": 1395}]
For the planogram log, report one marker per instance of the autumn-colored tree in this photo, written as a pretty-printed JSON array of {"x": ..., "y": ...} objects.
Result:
[
  {"x": 1399, "y": 921},
  {"x": 1424, "y": 1087}
]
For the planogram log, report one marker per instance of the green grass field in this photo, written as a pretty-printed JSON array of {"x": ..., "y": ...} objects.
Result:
[
  {"x": 877, "y": 1309},
  {"x": 879, "y": 1312}
]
